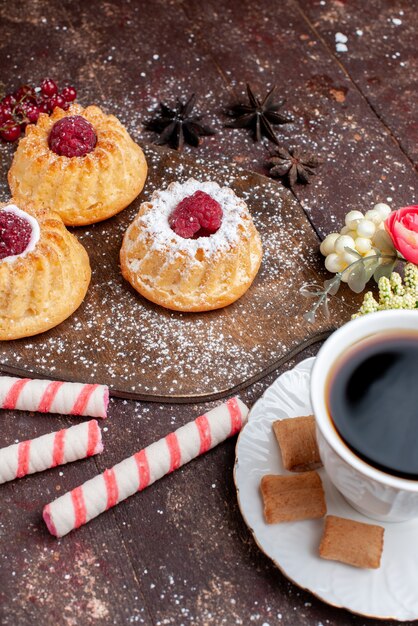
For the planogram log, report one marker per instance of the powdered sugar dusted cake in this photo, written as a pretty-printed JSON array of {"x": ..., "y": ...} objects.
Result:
[{"x": 192, "y": 247}]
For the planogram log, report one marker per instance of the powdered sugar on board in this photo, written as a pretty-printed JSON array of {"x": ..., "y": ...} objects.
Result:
[{"x": 118, "y": 338}]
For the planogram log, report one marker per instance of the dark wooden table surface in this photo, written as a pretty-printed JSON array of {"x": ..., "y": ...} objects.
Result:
[{"x": 180, "y": 553}]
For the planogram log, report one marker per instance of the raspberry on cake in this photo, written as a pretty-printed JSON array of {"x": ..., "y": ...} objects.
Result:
[
  {"x": 44, "y": 271},
  {"x": 19, "y": 233},
  {"x": 192, "y": 247},
  {"x": 80, "y": 162},
  {"x": 196, "y": 216},
  {"x": 72, "y": 136}
]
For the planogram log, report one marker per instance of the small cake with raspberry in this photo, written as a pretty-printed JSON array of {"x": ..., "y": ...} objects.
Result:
[
  {"x": 44, "y": 271},
  {"x": 81, "y": 163},
  {"x": 193, "y": 247}
]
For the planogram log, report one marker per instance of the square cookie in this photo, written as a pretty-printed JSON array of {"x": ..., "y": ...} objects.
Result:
[
  {"x": 297, "y": 441},
  {"x": 352, "y": 542},
  {"x": 290, "y": 498}
]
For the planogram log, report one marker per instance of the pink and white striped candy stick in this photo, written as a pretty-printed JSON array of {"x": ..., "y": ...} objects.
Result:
[
  {"x": 95, "y": 496},
  {"x": 58, "y": 448},
  {"x": 48, "y": 396}
]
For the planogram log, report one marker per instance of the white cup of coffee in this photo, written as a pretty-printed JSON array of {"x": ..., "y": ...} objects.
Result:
[{"x": 364, "y": 388}]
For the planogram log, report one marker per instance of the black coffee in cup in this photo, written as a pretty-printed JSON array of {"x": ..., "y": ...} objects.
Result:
[{"x": 372, "y": 398}]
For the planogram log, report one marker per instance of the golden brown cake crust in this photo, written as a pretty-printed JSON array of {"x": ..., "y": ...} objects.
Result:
[
  {"x": 42, "y": 288},
  {"x": 185, "y": 274},
  {"x": 82, "y": 190}
]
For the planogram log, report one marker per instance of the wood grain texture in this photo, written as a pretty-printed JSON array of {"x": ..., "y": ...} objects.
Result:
[
  {"x": 179, "y": 553},
  {"x": 363, "y": 165},
  {"x": 381, "y": 58}
]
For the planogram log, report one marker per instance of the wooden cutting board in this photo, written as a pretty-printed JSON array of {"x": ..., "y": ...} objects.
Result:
[{"x": 146, "y": 352}]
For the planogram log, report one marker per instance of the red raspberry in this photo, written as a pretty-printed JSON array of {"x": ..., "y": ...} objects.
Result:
[
  {"x": 196, "y": 216},
  {"x": 72, "y": 136},
  {"x": 15, "y": 233}
]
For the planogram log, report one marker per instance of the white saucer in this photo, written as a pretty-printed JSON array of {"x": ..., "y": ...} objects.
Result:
[{"x": 389, "y": 592}]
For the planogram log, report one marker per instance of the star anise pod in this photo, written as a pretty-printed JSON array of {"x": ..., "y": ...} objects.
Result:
[
  {"x": 259, "y": 115},
  {"x": 178, "y": 126},
  {"x": 293, "y": 164}
]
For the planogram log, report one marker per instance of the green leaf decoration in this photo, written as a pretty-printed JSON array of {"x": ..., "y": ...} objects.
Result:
[
  {"x": 309, "y": 316},
  {"x": 370, "y": 267},
  {"x": 325, "y": 307},
  {"x": 385, "y": 269},
  {"x": 332, "y": 285},
  {"x": 357, "y": 278},
  {"x": 311, "y": 290}
]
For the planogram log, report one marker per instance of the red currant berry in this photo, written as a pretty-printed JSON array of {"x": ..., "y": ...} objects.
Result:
[
  {"x": 20, "y": 109},
  {"x": 48, "y": 87},
  {"x": 5, "y": 114},
  {"x": 60, "y": 101},
  {"x": 69, "y": 94},
  {"x": 56, "y": 101},
  {"x": 32, "y": 114},
  {"x": 11, "y": 133},
  {"x": 44, "y": 107},
  {"x": 9, "y": 100},
  {"x": 25, "y": 92}
]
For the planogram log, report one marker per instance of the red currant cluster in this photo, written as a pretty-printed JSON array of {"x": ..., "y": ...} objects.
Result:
[{"x": 24, "y": 105}]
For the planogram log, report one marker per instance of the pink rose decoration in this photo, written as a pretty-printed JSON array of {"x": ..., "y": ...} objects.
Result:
[{"x": 402, "y": 226}]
